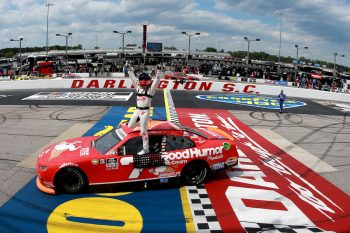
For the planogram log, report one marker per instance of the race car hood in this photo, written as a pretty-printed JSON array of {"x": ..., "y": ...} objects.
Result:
[{"x": 61, "y": 151}]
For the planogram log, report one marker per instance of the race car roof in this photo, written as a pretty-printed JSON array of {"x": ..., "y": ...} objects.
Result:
[
  {"x": 152, "y": 126},
  {"x": 161, "y": 126}
]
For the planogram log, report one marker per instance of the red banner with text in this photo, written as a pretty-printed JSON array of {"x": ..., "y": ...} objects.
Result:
[{"x": 268, "y": 190}]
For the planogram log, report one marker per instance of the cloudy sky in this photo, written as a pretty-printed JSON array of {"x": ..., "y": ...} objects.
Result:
[{"x": 322, "y": 25}]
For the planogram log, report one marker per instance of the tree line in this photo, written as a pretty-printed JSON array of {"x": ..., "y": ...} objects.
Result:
[
  {"x": 10, "y": 52},
  {"x": 274, "y": 58}
]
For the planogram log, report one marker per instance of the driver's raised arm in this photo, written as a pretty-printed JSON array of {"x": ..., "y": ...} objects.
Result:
[
  {"x": 132, "y": 76},
  {"x": 159, "y": 75}
]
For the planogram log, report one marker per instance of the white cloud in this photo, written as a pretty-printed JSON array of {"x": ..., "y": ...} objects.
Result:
[{"x": 320, "y": 24}]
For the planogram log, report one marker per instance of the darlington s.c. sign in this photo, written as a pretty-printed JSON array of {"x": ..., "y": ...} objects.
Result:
[
  {"x": 169, "y": 84},
  {"x": 208, "y": 86}
]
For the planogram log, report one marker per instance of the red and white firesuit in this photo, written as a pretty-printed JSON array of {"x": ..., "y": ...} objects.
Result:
[{"x": 143, "y": 104}]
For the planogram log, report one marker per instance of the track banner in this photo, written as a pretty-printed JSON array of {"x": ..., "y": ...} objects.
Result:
[{"x": 268, "y": 190}]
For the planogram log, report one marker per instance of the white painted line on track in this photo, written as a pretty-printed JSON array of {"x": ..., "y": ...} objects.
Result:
[
  {"x": 106, "y": 96},
  {"x": 296, "y": 152}
]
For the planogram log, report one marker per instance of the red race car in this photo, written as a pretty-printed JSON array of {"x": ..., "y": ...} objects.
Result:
[
  {"x": 179, "y": 76},
  {"x": 73, "y": 165}
]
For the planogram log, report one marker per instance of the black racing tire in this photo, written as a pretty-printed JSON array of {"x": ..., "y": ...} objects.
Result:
[
  {"x": 71, "y": 180},
  {"x": 195, "y": 173},
  {"x": 236, "y": 163}
]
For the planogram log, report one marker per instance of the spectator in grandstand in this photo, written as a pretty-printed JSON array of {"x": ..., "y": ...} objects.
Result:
[
  {"x": 303, "y": 81},
  {"x": 298, "y": 80},
  {"x": 126, "y": 69},
  {"x": 281, "y": 99},
  {"x": 314, "y": 83}
]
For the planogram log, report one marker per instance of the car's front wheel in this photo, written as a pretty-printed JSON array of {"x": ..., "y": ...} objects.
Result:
[
  {"x": 71, "y": 180},
  {"x": 195, "y": 173}
]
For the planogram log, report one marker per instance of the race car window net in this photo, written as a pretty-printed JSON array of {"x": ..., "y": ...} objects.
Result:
[
  {"x": 191, "y": 130},
  {"x": 109, "y": 140},
  {"x": 178, "y": 143},
  {"x": 134, "y": 145}
]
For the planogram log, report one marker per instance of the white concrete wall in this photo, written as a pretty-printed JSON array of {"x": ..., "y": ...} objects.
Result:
[{"x": 207, "y": 86}]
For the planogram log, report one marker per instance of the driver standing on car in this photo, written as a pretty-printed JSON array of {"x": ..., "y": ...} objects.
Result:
[{"x": 145, "y": 89}]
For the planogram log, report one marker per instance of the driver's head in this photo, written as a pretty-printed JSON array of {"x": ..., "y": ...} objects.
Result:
[{"x": 144, "y": 80}]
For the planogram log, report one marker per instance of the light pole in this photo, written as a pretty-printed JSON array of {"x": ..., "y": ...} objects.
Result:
[
  {"x": 20, "y": 49},
  {"x": 296, "y": 65},
  {"x": 47, "y": 26},
  {"x": 248, "y": 40},
  {"x": 123, "y": 34},
  {"x": 281, "y": 13},
  {"x": 189, "y": 42},
  {"x": 172, "y": 42},
  {"x": 66, "y": 36},
  {"x": 335, "y": 63}
]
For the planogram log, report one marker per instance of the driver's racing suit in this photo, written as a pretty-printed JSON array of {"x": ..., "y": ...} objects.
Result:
[{"x": 143, "y": 104}]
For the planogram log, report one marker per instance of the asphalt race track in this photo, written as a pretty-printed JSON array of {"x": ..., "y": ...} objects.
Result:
[{"x": 314, "y": 134}]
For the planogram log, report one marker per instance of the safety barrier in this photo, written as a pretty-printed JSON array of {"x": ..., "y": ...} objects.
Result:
[{"x": 209, "y": 86}]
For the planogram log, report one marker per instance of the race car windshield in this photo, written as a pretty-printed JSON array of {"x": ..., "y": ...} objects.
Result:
[{"x": 109, "y": 140}]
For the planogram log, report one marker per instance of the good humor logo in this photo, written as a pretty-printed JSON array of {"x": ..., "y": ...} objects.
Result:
[{"x": 251, "y": 100}]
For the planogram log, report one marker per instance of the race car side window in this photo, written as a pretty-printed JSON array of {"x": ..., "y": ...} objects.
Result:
[
  {"x": 178, "y": 143},
  {"x": 134, "y": 145}
]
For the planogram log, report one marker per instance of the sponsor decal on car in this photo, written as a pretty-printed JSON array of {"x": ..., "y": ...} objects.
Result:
[
  {"x": 231, "y": 161},
  {"x": 111, "y": 163},
  {"x": 94, "y": 162},
  {"x": 121, "y": 133},
  {"x": 69, "y": 164},
  {"x": 85, "y": 151},
  {"x": 218, "y": 166},
  {"x": 215, "y": 157},
  {"x": 227, "y": 146},
  {"x": 163, "y": 171},
  {"x": 102, "y": 161},
  {"x": 251, "y": 100},
  {"x": 61, "y": 147},
  {"x": 193, "y": 153},
  {"x": 175, "y": 162}
]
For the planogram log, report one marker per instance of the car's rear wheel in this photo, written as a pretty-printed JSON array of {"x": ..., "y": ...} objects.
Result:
[
  {"x": 195, "y": 173},
  {"x": 71, "y": 180}
]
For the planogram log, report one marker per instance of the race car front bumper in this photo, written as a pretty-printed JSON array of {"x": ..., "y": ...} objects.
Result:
[{"x": 43, "y": 188}]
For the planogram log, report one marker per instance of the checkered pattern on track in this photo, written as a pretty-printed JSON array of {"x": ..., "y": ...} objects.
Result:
[
  {"x": 203, "y": 214},
  {"x": 171, "y": 107},
  {"x": 276, "y": 228}
]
